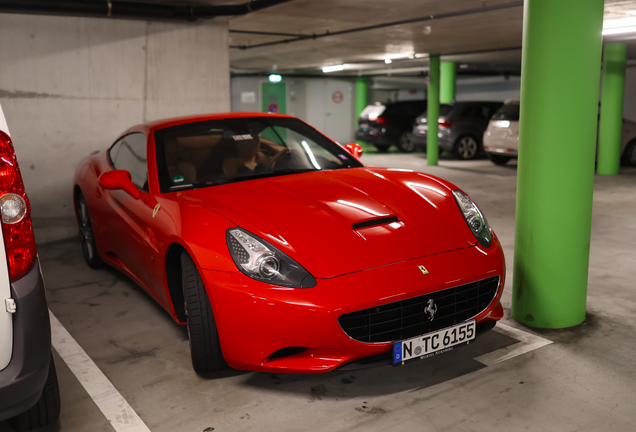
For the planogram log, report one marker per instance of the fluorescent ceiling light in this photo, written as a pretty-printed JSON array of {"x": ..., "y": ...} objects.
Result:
[
  {"x": 619, "y": 26},
  {"x": 333, "y": 68},
  {"x": 388, "y": 61}
]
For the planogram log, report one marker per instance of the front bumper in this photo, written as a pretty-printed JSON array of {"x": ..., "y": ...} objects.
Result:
[
  {"x": 21, "y": 382},
  {"x": 255, "y": 320}
]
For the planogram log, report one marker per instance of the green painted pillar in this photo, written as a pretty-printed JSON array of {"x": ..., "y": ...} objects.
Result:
[
  {"x": 447, "y": 82},
  {"x": 362, "y": 96},
  {"x": 560, "y": 73},
  {"x": 612, "y": 96},
  {"x": 432, "y": 111}
]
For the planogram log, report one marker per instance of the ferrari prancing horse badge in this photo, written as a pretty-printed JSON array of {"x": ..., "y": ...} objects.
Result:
[
  {"x": 423, "y": 269},
  {"x": 154, "y": 212}
]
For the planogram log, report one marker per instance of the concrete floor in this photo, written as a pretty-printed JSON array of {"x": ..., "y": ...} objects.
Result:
[{"x": 584, "y": 381}]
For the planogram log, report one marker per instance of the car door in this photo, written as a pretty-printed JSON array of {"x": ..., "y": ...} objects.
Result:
[{"x": 127, "y": 225}]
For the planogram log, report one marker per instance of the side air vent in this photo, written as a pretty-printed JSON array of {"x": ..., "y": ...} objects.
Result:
[{"x": 374, "y": 222}]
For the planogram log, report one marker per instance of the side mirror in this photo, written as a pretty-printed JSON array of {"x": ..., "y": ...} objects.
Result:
[
  {"x": 354, "y": 149},
  {"x": 119, "y": 179}
]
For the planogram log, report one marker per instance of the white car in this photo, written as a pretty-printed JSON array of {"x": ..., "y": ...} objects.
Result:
[
  {"x": 501, "y": 139},
  {"x": 29, "y": 395}
]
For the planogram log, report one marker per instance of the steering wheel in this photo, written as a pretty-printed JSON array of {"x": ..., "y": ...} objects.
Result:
[{"x": 279, "y": 154}]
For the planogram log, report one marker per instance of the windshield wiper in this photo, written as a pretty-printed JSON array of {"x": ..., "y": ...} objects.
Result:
[{"x": 199, "y": 184}]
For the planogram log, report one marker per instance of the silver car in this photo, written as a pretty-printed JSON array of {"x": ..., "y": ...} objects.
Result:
[
  {"x": 501, "y": 140},
  {"x": 461, "y": 127}
]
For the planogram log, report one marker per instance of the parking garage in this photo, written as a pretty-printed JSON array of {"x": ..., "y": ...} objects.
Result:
[{"x": 525, "y": 108}]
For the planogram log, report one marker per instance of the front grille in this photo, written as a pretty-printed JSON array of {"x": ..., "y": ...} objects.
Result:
[{"x": 408, "y": 318}]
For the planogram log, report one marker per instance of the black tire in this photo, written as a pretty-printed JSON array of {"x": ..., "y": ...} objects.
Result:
[
  {"x": 205, "y": 347},
  {"x": 466, "y": 147},
  {"x": 47, "y": 408},
  {"x": 498, "y": 159},
  {"x": 87, "y": 238},
  {"x": 382, "y": 148},
  {"x": 405, "y": 144},
  {"x": 629, "y": 155}
]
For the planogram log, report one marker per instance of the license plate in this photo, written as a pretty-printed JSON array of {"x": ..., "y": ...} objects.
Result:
[
  {"x": 433, "y": 343},
  {"x": 364, "y": 125}
]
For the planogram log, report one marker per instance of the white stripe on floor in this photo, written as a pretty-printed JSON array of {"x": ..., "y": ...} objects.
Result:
[
  {"x": 112, "y": 404},
  {"x": 527, "y": 342}
]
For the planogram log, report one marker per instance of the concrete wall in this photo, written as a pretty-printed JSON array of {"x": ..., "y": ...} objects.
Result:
[
  {"x": 487, "y": 88},
  {"x": 305, "y": 100},
  {"x": 629, "y": 106},
  {"x": 69, "y": 86}
]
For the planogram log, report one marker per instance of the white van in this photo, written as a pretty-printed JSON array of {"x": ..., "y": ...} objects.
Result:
[{"x": 29, "y": 395}]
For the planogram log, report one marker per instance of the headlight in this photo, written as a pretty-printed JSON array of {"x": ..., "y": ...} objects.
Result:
[
  {"x": 474, "y": 218},
  {"x": 263, "y": 262}
]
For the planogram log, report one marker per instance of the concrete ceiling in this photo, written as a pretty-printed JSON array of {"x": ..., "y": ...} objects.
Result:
[{"x": 481, "y": 38}]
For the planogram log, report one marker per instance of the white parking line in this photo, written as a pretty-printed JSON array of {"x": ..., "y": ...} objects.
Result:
[
  {"x": 527, "y": 342},
  {"x": 112, "y": 404}
]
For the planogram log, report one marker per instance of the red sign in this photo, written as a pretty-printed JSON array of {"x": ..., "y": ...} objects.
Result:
[
  {"x": 273, "y": 108},
  {"x": 337, "y": 97}
]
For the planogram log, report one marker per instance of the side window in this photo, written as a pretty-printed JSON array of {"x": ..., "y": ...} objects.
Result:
[
  {"x": 129, "y": 154},
  {"x": 467, "y": 111},
  {"x": 484, "y": 111}
]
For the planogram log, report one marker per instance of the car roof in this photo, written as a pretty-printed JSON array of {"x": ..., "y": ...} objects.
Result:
[
  {"x": 3, "y": 123},
  {"x": 175, "y": 121}
]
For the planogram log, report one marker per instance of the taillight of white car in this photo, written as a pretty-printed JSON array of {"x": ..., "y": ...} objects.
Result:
[{"x": 16, "y": 213}]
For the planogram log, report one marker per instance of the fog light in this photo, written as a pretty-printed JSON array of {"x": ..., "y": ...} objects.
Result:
[{"x": 12, "y": 207}]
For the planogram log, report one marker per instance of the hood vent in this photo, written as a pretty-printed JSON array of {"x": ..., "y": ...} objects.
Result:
[{"x": 374, "y": 222}]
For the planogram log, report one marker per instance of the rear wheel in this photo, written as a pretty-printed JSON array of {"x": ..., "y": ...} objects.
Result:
[
  {"x": 405, "y": 144},
  {"x": 205, "y": 347},
  {"x": 466, "y": 147},
  {"x": 498, "y": 159},
  {"x": 629, "y": 155},
  {"x": 47, "y": 408},
  {"x": 87, "y": 237}
]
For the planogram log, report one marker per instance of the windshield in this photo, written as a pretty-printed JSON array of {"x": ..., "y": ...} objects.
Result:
[
  {"x": 235, "y": 149},
  {"x": 508, "y": 111}
]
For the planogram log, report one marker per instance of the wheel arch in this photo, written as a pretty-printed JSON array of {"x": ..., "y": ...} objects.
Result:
[{"x": 173, "y": 278}]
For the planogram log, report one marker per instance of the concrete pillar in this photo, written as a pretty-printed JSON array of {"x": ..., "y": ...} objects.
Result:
[
  {"x": 612, "y": 97},
  {"x": 560, "y": 72},
  {"x": 447, "y": 82},
  {"x": 432, "y": 111}
]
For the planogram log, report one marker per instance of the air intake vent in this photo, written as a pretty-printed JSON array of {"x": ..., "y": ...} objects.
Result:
[
  {"x": 407, "y": 318},
  {"x": 374, "y": 222}
]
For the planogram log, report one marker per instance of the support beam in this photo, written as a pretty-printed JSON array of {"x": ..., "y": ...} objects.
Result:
[
  {"x": 432, "y": 111},
  {"x": 447, "y": 82},
  {"x": 612, "y": 97},
  {"x": 560, "y": 72}
]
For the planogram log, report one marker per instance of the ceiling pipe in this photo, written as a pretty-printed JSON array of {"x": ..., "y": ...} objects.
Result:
[
  {"x": 383, "y": 25},
  {"x": 131, "y": 9}
]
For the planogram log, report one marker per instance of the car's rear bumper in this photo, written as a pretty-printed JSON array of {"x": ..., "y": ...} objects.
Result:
[
  {"x": 21, "y": 382},
  {"x": 444, "y": 141},
  {"x": 255, "y": 319}
]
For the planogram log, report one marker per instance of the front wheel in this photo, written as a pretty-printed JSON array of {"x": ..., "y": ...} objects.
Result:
[
  {"x": 87, "y": 237},
  {"x": 629, "y": 155},
  {"x": 466, "y": 147},
  {"x": 405, "y": 144},
  {"x": 46, "y": 410},
  {"x": 205, "y": 347},
  {"x": 498, "y": 159}
]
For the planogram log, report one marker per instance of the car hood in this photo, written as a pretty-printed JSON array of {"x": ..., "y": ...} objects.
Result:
[{"x": 311, "y": 216}]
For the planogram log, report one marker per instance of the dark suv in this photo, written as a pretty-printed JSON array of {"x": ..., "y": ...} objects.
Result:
[
  {"x": 29, "y": 395},
  {"x": 461, "y": 127},
  {"x": 391, "y": 123}
]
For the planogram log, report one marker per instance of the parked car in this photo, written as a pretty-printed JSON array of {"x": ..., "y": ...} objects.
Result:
[
  {"x": 281, "y": 251},
  {"x": 387, "y": 124},
  {"x": 461, "y": 126},
  {"x": 501, "y": 140},
  {"x": 29, "y": 395}
]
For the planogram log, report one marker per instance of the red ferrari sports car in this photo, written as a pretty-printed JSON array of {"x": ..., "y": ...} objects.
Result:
[{"x": 281, "y": 251}]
